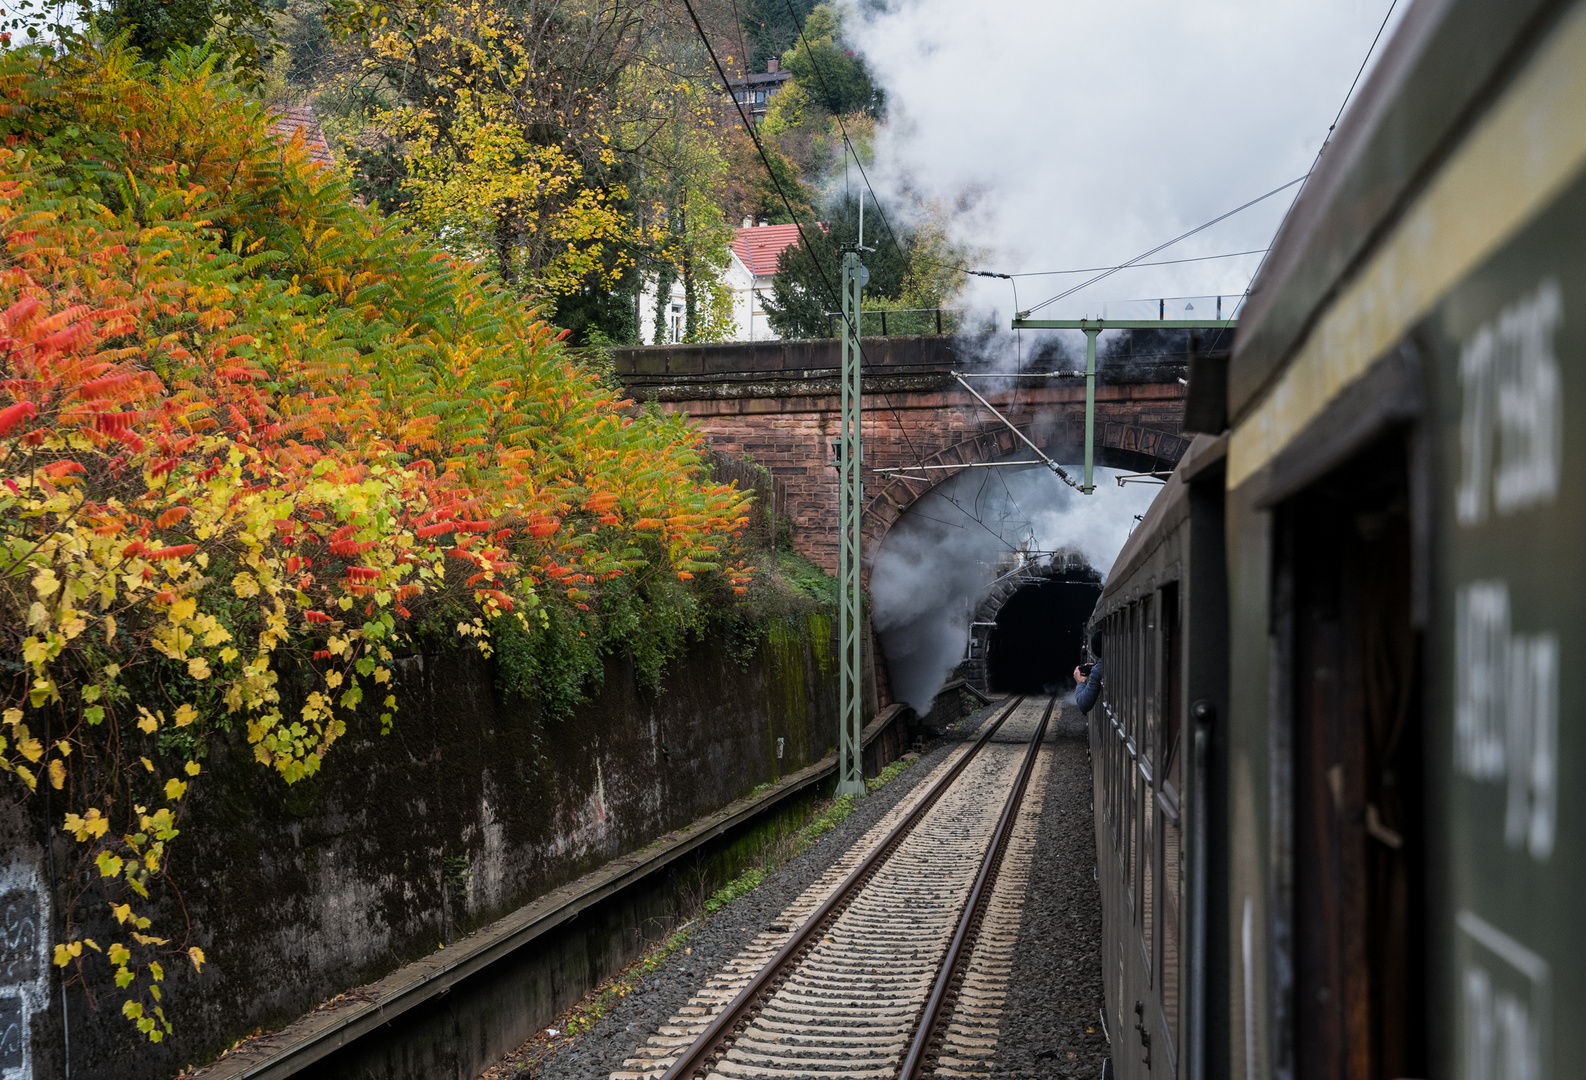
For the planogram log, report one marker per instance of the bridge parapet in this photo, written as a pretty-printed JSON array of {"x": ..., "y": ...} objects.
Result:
[
  {"x": 787, "y": 359},
  {"x": 778, "y": 402}
]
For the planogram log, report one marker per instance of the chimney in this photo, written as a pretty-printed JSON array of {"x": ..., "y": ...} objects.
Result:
[
  {"x": 771, "y": 66},
  {"x": 764, "y": 223},
  {"x": 748, "y": 222}
]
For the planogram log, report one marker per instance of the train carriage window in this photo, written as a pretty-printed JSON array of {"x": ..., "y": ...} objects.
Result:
[
  {"x": 1131, "y": 844},
  {"x": 1168, "y": 870},
  {"x": 1341, "y": 601},
  {"x": 1149, "y": 645},
  {"x": 1168, "y": 964},
  {"x": 1148, "y": 897}
]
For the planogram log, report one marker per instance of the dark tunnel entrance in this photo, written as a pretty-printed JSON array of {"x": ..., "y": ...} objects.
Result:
[{"x": 1039, "y": 637}]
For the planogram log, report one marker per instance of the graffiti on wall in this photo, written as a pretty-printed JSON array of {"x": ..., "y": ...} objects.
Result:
[{"x": 24, "y": 966}]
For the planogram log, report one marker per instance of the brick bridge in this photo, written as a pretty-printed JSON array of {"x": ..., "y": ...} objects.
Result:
[{"x": 778, "y": 402}]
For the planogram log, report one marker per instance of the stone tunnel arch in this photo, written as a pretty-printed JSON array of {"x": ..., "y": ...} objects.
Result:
[
  {"x": 1130, "y": 447},
  {"x": 1125, "y": 447},
  {"x": 1068, "y": 568}
]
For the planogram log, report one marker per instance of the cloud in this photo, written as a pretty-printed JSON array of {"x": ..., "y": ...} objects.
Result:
[
  {"x": 1072, "y": 134},
  {"x": 1061, "y": 134}
]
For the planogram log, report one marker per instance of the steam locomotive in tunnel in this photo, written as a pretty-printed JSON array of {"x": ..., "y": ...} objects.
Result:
[{"x": 1335, "y": 835}]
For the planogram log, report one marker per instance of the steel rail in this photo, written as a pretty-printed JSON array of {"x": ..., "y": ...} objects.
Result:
[
  {"x": 712, "y": 1042},
  {"x": 925, "y": 1033}
]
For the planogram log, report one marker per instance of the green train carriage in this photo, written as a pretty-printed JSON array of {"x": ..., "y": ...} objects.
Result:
[{"x": 1339, "y": 788}]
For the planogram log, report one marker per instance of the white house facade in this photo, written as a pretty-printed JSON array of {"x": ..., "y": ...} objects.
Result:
[{"x": 755, "y": 249}]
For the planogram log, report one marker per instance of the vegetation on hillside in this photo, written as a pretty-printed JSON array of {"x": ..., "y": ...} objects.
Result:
[{"x": 251, "y": 435}]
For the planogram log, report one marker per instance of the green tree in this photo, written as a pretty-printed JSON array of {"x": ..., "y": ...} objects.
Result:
[
  {"x": 803, "y": 290},
  {"x": 770, "y": 30},
  {"x": 241, "y": 32},
  {"x": 828, "y": 70}
]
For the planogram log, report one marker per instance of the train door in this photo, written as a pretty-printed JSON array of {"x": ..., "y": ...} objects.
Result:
[{"x": 1352, "y": 946}]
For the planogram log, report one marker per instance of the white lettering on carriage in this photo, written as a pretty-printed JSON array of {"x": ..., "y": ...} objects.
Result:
[
  {"x": 1512, "y": 420},
  {"x": 1506, "y": 1003},
  {"x": 1481, "y": 636},
  {"x": 1506, "y": 712}
]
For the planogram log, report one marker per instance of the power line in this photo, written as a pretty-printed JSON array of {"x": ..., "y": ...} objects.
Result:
[
  {"x": 1147, "y": 254},
  {"x": 1133, "y": 265},
  {"x": 759, "y": 148},
  {"x": 788, "y": 203},
  {"x": 1326, "y": 141}
]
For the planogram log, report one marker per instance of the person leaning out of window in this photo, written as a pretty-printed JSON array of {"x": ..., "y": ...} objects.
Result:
[{"x": 1087, "y": 678}]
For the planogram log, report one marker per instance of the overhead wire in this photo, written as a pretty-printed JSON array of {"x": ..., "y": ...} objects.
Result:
[
  {"x": 1160, "y": 247},
  {"x": 1134, "y": 265},
  {"x": 754, "y": 137},
  {"x": 1326, "y": 141}
]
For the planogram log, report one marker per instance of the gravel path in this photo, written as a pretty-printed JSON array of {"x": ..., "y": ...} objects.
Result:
[
  {"x": 1050, "y": 1027},
  {"x": 718, "y": 938}
]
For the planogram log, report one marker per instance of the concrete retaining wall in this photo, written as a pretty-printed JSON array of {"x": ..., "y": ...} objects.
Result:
[{"x": 469, "y": 809}]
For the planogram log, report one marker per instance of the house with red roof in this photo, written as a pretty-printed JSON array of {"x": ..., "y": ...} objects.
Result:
[
  {"x": 755, "y": 250},
  {"x": 289, "y": 120},
  {"x": 752, "y": 265}
]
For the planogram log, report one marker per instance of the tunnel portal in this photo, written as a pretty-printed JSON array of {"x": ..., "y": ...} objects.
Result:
[{"x": 1039, "y": 636}]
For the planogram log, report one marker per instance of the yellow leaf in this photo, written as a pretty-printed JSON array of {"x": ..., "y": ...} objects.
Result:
[
  {"x": 145, "y": 939},
  {"x": 31, "y": 749},
  {"x": 192, "y": 768},
  {"x": 182, "y": 610},
  {"x": 45, "y": 583},
  {"x": 122, "y": 912},
  {"x": 185, "y": 714},
  {"x": 198, "y": 667},
  {"x": 147, "y": 764},
  {"x": 149, "y": 722},
  {"x": 196, "y": 955},
  {"x": 13, "y": 717},
  {"x": 27, "y": 777},
  {"x": 175, "y": 789},
  {"x": 57, "y": 773},
  {"x": 110, "y": 627}
]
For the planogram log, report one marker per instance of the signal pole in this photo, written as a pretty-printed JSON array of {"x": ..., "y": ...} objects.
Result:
[{"x": 850, "y": 499}]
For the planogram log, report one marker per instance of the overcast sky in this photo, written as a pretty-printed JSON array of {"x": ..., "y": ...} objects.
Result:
[{"x": 1082, "y": 133}]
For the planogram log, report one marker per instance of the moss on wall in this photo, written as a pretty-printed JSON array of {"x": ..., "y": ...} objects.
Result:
[{"x": 472, "y": 806}]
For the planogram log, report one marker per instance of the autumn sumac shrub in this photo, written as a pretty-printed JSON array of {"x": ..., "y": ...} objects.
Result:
[{"x": 249, "y": 430}]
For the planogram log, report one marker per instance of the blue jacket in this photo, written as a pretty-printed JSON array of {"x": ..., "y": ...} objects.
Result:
[{"x": 1089, "y": 691}]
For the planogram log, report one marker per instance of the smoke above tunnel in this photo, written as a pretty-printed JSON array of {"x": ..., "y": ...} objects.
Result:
[{"x": 938, "y": 560}]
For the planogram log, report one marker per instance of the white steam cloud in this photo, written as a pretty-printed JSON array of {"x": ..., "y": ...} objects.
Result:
[
  {"x": 1062, "y": 134},
  {"x": 1059, "y": 134},
  {"x": 937, "y": 561}
]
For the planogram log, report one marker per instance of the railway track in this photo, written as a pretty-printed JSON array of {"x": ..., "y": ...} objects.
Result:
[{"x": 894, "y": 964}]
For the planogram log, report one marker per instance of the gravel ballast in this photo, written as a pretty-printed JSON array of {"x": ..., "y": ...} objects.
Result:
[
  {"x": 1056, "y": 985},
  {"x": 1050, "y": 1024}
]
